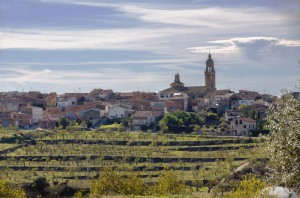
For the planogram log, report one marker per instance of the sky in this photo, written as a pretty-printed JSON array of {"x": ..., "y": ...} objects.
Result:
[{"x": 139, "y": 45}]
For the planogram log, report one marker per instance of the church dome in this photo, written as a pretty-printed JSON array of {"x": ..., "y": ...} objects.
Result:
[{"x": 209, "y": 60}]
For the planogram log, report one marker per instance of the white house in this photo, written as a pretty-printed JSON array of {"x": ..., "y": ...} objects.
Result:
[
  {"x": 115, "y": 111},
  {"x": 140, "y": 118},
  {"x": 63, "y": 103},
  {"x": 37, "y": 114},
  {"x": 242, "y": 126}
]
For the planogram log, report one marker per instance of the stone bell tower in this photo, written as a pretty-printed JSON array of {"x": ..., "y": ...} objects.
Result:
[{"x": 210, "y": 75}]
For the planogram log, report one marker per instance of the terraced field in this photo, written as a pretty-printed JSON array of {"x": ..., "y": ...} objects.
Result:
[{"x": 80, "y": 156}]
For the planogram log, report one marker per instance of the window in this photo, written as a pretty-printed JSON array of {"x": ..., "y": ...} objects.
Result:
[
  {"x": 241, "y": 122},
  {"x": 245, "y": 126},
  {"x": 236, "y": 122}
]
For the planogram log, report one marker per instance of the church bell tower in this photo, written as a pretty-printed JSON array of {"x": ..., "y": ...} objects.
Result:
[{"x": 210, "y": 75}]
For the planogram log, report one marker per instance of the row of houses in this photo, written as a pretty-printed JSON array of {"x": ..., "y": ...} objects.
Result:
[
  {"x": 24, "y": 118},
  {"x": 24, "y": 110},
  {"x": 146, "y": 108}
]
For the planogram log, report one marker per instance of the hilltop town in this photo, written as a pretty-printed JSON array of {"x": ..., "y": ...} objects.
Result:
[
  {"x": 192, "y": 140},
  {"x": 225, "y": 111}
]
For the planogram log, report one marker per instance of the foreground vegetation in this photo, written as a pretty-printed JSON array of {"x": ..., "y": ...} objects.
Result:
[
  {"x": 79, "y": 158},
  {"x": 111, "y": 162}
]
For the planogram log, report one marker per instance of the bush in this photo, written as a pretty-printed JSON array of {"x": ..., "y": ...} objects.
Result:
[
  {"x": 249, "y": 187},
  {"x": 182, "y": 118},
  {"x": 210, "y": 116},
  {"x": 40, "y": 184},
  {"x": 113, "y": 183},
  {"x": 168, "y": 183},
  {"x": 8, "y": 191}
]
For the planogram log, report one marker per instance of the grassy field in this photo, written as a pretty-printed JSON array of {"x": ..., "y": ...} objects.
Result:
[{"x": 80, "y": 156}]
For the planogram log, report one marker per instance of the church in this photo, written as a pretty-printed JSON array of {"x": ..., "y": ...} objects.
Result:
[{"x": 193, "y": 92}]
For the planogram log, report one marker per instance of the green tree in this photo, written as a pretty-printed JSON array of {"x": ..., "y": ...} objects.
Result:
[
  {"x": 249, "y": 187},
  {"x": 179, "y": 118},
  {"x": 253, "y": 113},
  {"x": 8, "y": 191},
  {"x": 112, "y": 182},
  {"x": 210, "y": 116},
  {"x": 83, "y": 124},
  {"x": 163, "y": 127},
  {"x": 197, "y": 128},
  {"x": 169, "y": 183},
  {"x": 63, "y": 123},
  {"x": 40, "y": 184},
  {"x": 244, "y": 110},
  {"x": 283, "y": 142}
]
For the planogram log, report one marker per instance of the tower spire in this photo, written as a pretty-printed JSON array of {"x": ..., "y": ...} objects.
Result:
[{"x": 210, "y": 74}]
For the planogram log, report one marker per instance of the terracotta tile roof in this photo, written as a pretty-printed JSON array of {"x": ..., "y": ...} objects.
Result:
[
  {"x": 126, "y": 94},
  {"x": 248, "y": 120},
  {"x": 184, "y": 89},
  {"x": 142, "y": 114}
]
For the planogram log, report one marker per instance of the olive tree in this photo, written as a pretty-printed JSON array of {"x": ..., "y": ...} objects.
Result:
[
  {"x": 283, "y": 142},
  {"x": 9, "y": 191}
]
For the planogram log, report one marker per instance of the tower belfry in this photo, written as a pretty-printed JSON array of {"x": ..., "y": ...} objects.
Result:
[
  {"x": 210, "y": 75},
  {"x": 177, "y": 84}
]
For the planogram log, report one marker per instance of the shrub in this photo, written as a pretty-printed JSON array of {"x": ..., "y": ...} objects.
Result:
[
  {"x": 169, "y": 183},
  {"x": 113, "y": 183},
  {"x": 8, "y": 191},
  {"x": 249, "y": 187}
]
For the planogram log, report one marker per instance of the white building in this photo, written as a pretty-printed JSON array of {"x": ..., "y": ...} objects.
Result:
[
  {"x": 140, "y": 118},
  {"x": 37, "y": 114},
  {"x": 63, "y": 103},
  {"x": 115, "y": 111},
  {"x": 242, "y": 126}
]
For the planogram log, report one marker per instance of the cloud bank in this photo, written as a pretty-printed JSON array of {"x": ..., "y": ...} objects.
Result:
[{"x": 240, "y": 45}]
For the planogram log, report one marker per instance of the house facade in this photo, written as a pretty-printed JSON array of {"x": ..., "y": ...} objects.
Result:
[
  {"x": 49, "y": 123},
  {"x": 141, "y": 118},
  {"x": 90, "y": 115},
  {"x": 115, "y": 111},
  {"x": 242, "y": 126},
  {"x": 231, "y": 114}
]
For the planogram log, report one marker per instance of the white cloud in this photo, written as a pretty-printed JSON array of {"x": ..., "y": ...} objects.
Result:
[
  {"x": 251, "y": 40},
  {"x": 213, "y": 17},
  {"x": 239, "y": 45},
  {"x": 177, "y": 28},
  {"x": 215, "y": 49},
  {"x": 105, "y": 77},
  {"x": 115, "y": 39},
  {"x": 289, "y": 43},
  {"x": 85, "y": 63}
]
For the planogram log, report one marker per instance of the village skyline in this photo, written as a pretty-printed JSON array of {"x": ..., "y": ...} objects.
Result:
[{"x": 78, "y": 45}]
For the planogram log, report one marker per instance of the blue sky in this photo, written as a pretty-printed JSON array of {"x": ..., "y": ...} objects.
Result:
[{"x": 127, "y": 45}]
